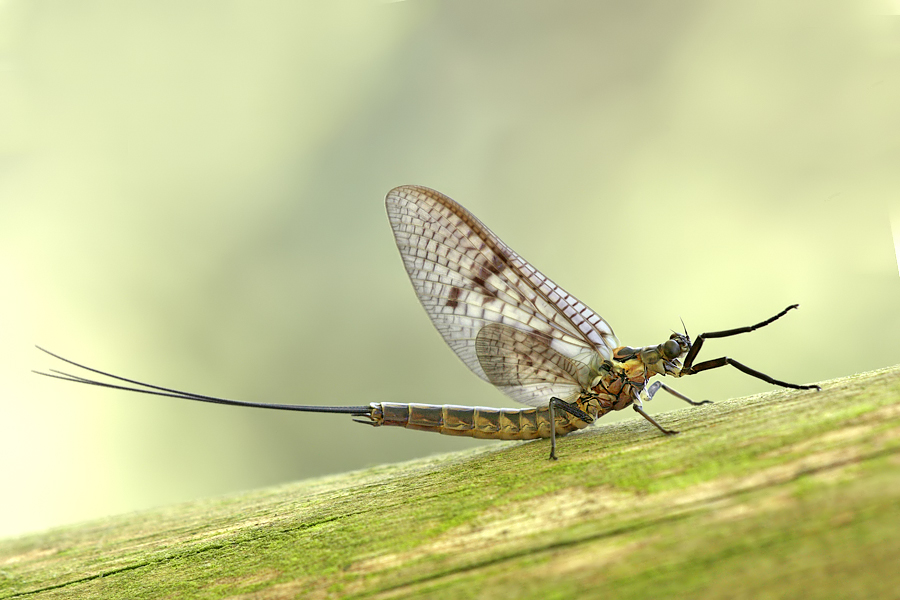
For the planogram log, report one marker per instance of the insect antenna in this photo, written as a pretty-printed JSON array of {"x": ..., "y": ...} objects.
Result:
[{"x": 155, "y": 390}]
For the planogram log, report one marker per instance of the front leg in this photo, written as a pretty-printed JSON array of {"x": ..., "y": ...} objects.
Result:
[
  {"x": 690, "y": 369},
  {"x": 724, "y": 360}
]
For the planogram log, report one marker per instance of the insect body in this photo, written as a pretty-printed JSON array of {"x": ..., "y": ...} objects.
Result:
[{"x": 512, "y": 327}]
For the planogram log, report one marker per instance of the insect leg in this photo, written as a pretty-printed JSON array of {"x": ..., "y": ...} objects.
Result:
[
  {"x": 641, "y": 412},
  {"x": 721, "y": 362},
  {"x": 698, "y": 343},
  {"x": 658, "y": 385},
  {"x": 553, "y": 429},
  {"x": 569, "y": 408}
]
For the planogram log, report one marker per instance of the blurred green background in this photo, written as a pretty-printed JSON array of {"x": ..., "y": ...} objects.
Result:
[{"x": 192, "y": 195}]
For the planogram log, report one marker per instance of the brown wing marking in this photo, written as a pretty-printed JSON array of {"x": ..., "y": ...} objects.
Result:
[{"x": 466, "y": 278}]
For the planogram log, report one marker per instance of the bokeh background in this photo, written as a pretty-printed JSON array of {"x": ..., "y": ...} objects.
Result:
[{"x": 191, "y": 193}]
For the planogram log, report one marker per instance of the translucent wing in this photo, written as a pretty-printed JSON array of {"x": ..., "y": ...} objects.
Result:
[
  {"x": 524, "y": 366},
  {"x": 467, "y": 278}
]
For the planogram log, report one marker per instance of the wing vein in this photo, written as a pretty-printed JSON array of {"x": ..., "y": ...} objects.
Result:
[{"x": 508, "y": 322}]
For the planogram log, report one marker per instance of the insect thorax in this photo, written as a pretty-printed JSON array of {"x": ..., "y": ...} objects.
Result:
[
  {"x": 620, "y": 379},
  {"x": 614, "y": 387}
]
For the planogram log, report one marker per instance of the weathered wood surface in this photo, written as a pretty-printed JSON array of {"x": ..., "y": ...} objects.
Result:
[{"x": 781, "y": 495}]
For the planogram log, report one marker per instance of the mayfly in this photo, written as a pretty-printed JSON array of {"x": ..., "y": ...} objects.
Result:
[{"x": 512, "y": 327}]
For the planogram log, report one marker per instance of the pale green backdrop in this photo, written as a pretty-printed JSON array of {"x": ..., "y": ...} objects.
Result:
[{"x": 192, "y": 194}]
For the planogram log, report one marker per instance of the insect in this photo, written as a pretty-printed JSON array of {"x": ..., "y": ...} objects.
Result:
[{"x": 512, "y": 327}]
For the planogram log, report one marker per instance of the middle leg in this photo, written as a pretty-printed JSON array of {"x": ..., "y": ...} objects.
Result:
[{"x": 658, "y": 385}]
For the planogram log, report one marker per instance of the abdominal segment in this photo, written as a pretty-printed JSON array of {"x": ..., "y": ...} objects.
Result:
[{"x": 475, "y": 421}]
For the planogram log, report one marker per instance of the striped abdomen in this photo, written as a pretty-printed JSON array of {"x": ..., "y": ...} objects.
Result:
[{"x": 474, "y": 421}]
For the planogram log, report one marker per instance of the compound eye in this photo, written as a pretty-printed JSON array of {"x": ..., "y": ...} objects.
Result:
[{"x": 671, "y": 349}]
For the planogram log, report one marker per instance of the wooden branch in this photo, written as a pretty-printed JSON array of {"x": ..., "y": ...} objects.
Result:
[{"x": 781, "y": 495}]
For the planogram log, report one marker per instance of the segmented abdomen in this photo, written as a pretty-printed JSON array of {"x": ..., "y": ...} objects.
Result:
[{"x": 474, "y": 421}]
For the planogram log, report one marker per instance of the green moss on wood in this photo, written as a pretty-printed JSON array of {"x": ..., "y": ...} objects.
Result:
[{"x": 772, "y": 496}]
